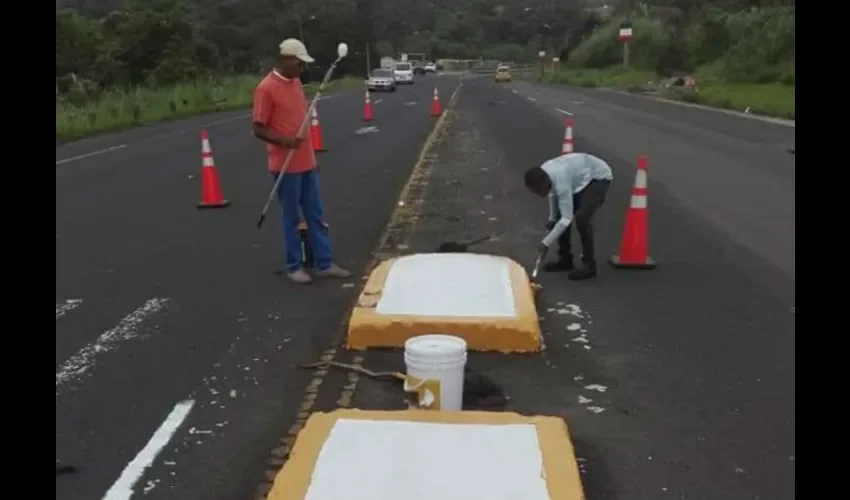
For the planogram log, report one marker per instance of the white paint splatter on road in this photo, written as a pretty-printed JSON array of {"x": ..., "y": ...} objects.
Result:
[{"x": 127, "y": 329}]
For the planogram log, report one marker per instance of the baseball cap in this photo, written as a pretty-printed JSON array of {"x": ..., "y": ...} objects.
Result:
[{"x": 294, "y": 47}]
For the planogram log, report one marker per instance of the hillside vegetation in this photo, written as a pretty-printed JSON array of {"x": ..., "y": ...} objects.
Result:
[
  {"x": 121, "y": 63},
  {"x": 125, "y": 62},
  {"x": 740, "y": 52}
]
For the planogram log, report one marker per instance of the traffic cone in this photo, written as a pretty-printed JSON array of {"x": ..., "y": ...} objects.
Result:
[
  {"x": 367, "y": 108},
  {"x": 211, "y": 196},
  {"x": 436, "y": 107},
  {"x": 634, "y": 247},
  {"x": 316, "y": 132},
  {"x": 568, "y": 146}
]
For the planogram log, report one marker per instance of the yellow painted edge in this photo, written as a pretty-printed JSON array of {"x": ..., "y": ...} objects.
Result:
[
  {"x": 368, "y": 329},
  {"x": 559, "y": 464}
]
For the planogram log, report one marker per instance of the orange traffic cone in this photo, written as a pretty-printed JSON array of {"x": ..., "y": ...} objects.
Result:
[
  {"x": 316, "y": 132},
  {"x": 567, "y": 146},
  {"x": 367, "y": 108},
  {"x": 634, "y": 247},
  {"x": 436, "y": 107},
  {"x": 211, "y": 196}
]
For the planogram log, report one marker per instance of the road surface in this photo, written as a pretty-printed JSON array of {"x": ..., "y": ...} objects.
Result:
[
  {"x": 158, "y": 302},
  {"x": 675, "y": 383}
]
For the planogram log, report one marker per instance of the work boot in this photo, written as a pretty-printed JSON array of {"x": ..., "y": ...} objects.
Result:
[
  {"x": 586, "y": 271},
  {"x": 558, "y": 265},
  {"x": 334, "y": 272},
  {"x": 299, "y": 276}
]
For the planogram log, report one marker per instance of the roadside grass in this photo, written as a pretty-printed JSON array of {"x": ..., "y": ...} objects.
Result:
[
  {"x": 121, "y": 109},
  {"x": 770, "y": 99}
]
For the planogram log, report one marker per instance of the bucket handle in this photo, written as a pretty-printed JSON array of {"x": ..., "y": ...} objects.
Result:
[{"x": 414, "y": 389}]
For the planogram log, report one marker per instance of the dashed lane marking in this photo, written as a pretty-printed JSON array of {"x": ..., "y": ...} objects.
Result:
[
  {"x": 89, "y": 155},
  {"x": 67, "y": 306},
  {"x": 563, "y": 112},
  {"x": 122, "y": 489},
  {"x": 127, "y": 329},
  {"x": 240, "y": 116}
]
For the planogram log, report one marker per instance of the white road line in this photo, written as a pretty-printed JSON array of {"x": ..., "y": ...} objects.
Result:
[
  {"x": 122, "y": 489},
  {"x": 531, "y": 99},
  {"x": 170, "y": 134},
  {"x": 67, "y": 306},
  {"x": 93, "y": 153},
  {"x": 379, "y": 101},
  {"x": 127, "y": 329},
  {"x": 563, "y": 112}
]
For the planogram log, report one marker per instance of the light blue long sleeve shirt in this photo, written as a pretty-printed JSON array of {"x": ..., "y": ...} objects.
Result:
[{"x": 570, "y": 173}]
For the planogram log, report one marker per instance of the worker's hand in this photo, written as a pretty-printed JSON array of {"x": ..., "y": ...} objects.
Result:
[
  {"x": 542, "y": 250},
  {"x": 550, "y": 225},
  {"x": 290, "y": 142}
]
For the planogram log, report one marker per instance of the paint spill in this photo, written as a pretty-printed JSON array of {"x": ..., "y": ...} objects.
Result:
[
  {"x": 581, "y": 339},
  {"x": 574, "y": 327},
  {"x": 127, "y": 329},
  {"x": 583, "y": 400},
  {"x": 595, "y": 409}
]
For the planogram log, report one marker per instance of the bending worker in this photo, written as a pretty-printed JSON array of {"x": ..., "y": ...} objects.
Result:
[{"x": 576, "y": 184}]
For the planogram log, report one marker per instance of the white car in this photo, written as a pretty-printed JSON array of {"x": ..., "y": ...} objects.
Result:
[
  {"x": 381, "y": 79},
  {"x": 431, "y": 67},
  {"x": 403, "y": 73}
]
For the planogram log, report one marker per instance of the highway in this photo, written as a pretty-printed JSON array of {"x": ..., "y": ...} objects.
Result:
[
  {"x": 675, "y": 383},
  {"x": 161, "y": 302}
]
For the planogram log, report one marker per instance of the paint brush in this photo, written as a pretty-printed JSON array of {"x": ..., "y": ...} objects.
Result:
[{"x": 536, "y": 266}]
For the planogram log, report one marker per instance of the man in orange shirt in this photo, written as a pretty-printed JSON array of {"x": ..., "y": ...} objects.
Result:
[{"x": 279, "y": 109}]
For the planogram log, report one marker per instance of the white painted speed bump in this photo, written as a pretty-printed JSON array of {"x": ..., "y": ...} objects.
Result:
[
  {"x": 484, "y": 299},
  {"x": 430, "y": 455}
]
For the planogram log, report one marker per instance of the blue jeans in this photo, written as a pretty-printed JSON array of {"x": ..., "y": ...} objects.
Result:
[{"x": 297, "y": 194}]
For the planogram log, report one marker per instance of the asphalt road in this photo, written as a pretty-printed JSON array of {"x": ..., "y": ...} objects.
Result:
[
  {"x": 676, "y": 383},
  {"x": 171, "y": 325}
]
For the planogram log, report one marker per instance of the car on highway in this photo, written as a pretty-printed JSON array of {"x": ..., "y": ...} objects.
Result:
[
  {"x": 403, "y": 73},
  {"x": 431, "y": 67},
  {"x": 503, "y": 74},
  {"x": 381, "y": 79}
]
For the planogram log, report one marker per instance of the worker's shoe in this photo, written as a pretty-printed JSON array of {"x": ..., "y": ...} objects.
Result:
[
  {"x": 583, "y": 272},
  {"x": 299, "y": 276},
  {"x": 333, "y": 272},
  {"x": 559, "y": 265}
]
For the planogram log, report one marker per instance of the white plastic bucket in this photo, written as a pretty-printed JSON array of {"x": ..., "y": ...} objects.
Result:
[{"x": 435, "y": 366}]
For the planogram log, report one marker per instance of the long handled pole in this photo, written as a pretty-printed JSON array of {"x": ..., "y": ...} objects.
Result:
[{"x": 342, "y": 51}]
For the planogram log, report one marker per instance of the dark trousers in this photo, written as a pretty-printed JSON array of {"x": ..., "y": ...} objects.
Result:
[{"x": 585, "y": 204}]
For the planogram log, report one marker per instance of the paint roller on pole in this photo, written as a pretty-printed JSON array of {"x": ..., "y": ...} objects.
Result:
[{"x": 341, "y": 51}]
